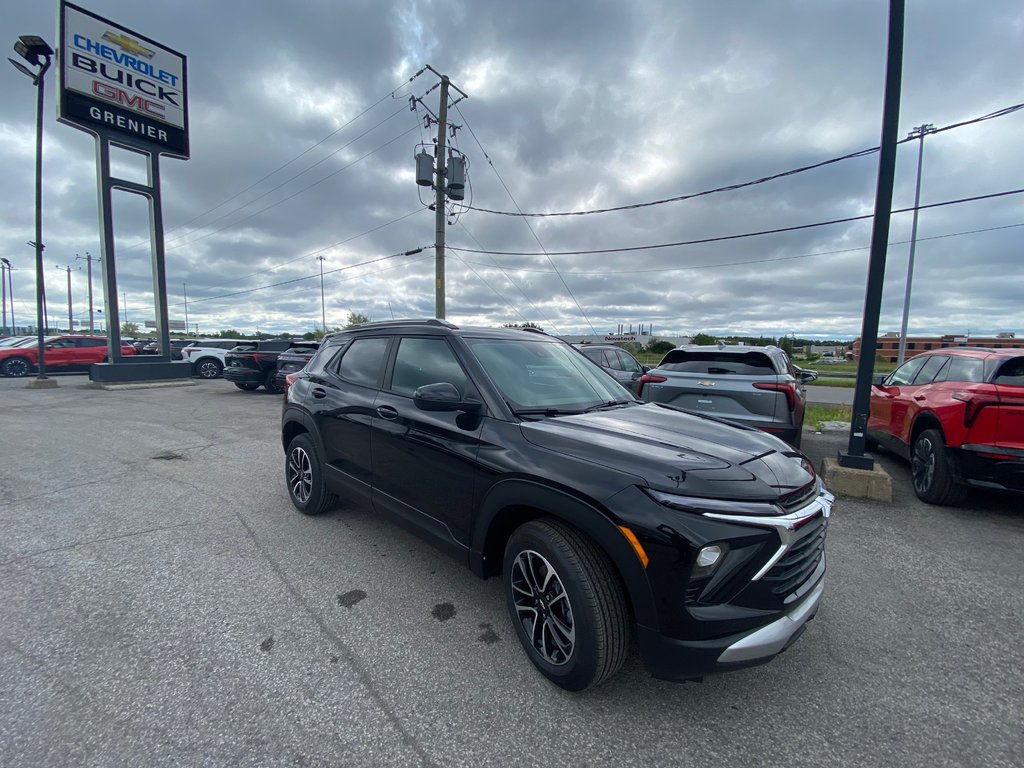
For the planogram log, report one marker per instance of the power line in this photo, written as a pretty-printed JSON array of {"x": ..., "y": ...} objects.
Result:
[
  {"x": 732, "y": 187},
  {"x": 741, "y": 263},
  {"x": 738, "y": 236},
  {"x": 305, "y": 277}
]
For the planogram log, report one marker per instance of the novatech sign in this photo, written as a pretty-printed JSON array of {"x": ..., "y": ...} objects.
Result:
[{"x": 121, "y": 84}]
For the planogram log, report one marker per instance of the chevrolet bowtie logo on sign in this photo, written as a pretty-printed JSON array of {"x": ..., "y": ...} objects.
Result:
[{"x": 128, "y": 45}]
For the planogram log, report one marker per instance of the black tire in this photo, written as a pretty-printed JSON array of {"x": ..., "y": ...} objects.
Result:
[
  {"x": 246, "y": 386},
  {"x": 303, "y": 474},
  {"x": 931, "y": 469},
  {"x": 17, "y": 367},
  {"x": 271, "y": 385},
  {"x": 579, "y": 635},
  {"x": 208, "y": 368},
  {"x": 870, "y": 444}
]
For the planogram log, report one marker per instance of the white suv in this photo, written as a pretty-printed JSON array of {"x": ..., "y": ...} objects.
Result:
[{"x": 207, "y": 357}]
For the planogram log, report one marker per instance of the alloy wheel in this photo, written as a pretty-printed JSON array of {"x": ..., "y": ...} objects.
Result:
[
  {"x": 543, "y": 608},
  {"x": 922, "y": 464},
  {"x": 208, "y": 369},
  {"x": 16, "y": 367},
  {"x": 300, "y": 474}
]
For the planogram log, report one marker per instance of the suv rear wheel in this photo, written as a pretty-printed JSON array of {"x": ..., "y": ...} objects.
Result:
[
  {"x": 271, "y": 384},
  {"x": 566, "y": 603},
  {"x": 208, "y": 368},
  {"x": 932, "y": 470},
  {"x": 303, "y": 473}
]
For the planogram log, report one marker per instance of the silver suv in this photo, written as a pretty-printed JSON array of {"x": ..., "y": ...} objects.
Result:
[{"x": 755, "y": 386}]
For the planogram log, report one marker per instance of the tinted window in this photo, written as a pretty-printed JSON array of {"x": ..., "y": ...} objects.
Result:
[
  {"x": 627, "y": 362},
  {"x": 363, "y": 361},
  {"x": 1011, "y": 373},
  {"x": 425, "y": 361},
  {"x": 933, "y": 370},
  {"x": 906, "y": 372},
  {"x": 596, "y": 355},
  {"x": 93, "y": 342},
  {"x": 965, "y": 369},
  {"x": 719, "y": 362}
]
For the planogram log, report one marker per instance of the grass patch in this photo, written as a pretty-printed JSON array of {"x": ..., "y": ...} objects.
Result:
[
  {"x": 848, "y": 383},
  {"x": 817, "y": 413}
]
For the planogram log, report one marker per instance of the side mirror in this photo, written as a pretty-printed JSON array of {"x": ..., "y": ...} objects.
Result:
[
  {"x": 808, "y": 376},
  {"x": 646, "y": 368},
  {"x": 442, "y": 396},
  {"x": 878, "y": 379}
]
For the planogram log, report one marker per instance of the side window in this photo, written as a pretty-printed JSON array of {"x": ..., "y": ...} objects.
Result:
[
  {"x": 1011, "y": 373},
  {"x": 596, "y": 355},
  {"x": 627, "y": 362},
  {"x": 611, "y": 360},
  {"x": 965, "y": 369},
  {"x": 93, "y": 343},
  {"x": 363, "y": 361},
  {"x": 425, "y": 361},
  {"x": 933, "y": 370},
  {"x": 906, "y": 372}
]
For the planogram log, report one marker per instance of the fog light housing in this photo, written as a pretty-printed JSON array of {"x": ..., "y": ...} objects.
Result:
[{"x": 707, "y": 561}]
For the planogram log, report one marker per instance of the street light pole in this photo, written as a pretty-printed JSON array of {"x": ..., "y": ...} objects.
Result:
[
  {"x": 3, "y": 292},
  {"x": 37, "y": 52},
  {"x": 184, "y": 290},
  {"x": 918, "y": 133},
  {"x": 89, "y": 260},
  {"x": 71, "y": 317},
  {"x": 323, "y": 306}
]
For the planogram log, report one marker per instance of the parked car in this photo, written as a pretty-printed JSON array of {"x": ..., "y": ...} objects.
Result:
[
  {"x": 605, "y": 518},
  {"x": 616, "y": 362},
  {"x": 153, "y": 347},
  {"x": 750, "y": 385},
  {"x": 207, "y": 356},
  {"x": 62, "y": 353},
  {"x": 958, "y": 416},
  {"x": 254, "y": 363},
  {"x": 293, "y": 359}
]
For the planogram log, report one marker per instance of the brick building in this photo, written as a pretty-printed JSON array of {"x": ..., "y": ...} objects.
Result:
[{"x": 889, "y": 345}]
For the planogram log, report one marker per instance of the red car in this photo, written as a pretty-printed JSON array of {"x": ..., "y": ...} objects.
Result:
[
  {"x": 62, "y": 352},
  {"x": 958, "y": 416}
]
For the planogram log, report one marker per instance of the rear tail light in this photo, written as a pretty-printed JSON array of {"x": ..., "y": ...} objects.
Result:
[
  {"x": 785, "y": 387},
  {"x": 289, "y": 380},
  {"x": 974, "y": 402},
  {"x": 649, "y": 378}
]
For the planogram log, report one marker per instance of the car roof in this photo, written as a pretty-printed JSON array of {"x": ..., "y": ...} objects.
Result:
[
  {"x": 974, "y": 352},
  {"x": 435, "y": 325}
]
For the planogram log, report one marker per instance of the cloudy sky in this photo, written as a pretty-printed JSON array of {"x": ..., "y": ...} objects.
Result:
[{"x": 303, "y": 144}]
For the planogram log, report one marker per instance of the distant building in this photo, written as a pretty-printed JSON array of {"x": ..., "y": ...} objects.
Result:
[
  {"x": 889, "y": 345},
  {"x": 625, "y": 338}
]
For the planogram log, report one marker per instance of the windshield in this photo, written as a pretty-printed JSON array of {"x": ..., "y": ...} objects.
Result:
[{"x": 545, "y": 375}]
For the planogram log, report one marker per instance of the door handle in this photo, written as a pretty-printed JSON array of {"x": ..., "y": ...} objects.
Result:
[
  {"x": 387, "y": 412},
  {"x": 319, "y": 393},
  {"x": 919, "y": 397}
]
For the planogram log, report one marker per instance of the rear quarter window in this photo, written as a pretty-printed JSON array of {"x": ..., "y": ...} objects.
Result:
[
  {"x": 965, "y": 369},
  {"x": 1011, "y": 373}
]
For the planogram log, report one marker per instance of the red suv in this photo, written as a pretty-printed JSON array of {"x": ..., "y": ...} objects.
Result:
[
  {"x": 62, "y": 352},
  {"x": 958, "y": 416}
]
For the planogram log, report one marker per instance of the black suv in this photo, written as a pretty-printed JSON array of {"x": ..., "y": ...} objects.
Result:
[
  {"x": 253, "y": 363},
  {"x": 601, "y": 514}
]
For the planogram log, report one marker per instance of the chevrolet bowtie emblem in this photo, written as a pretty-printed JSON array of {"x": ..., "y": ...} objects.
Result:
[
  {"x": 706, "y": 383},
  {"x": 128, "y": 45}
]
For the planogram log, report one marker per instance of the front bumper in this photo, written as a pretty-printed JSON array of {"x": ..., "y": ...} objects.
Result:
[{"x": 671, "y": 659}]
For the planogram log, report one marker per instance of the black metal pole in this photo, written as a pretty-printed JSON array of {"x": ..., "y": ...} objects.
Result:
[
  {"x": 854, "y": 456},
  {"x": 40, "y": 290}
]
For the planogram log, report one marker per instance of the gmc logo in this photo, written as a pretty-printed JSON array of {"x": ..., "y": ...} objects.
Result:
[{"x": 135, "y": 102}]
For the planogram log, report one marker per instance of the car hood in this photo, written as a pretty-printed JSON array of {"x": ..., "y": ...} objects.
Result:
[{"x": 678, "y": 452}]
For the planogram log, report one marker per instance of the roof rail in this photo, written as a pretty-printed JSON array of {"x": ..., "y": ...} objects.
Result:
[
  {"x": 531, "y": 329},
  {"x": 392, "y": 323}
]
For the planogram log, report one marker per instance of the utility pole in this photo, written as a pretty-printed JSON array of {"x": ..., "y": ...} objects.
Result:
[
  {"x": 89, "y": 260},
  {"x": 918, "y": 133},
  {"x": 184, "y": 290},
  {"x": 5, "y": 265},
  {"x": 439, "y": 206},
  {"x": 323, "y": 305},
  {"x": 124, "y": 306},
  {"x": 71, "y": 316}
]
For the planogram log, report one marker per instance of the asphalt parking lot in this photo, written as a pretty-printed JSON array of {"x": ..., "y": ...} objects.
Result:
[{"x": 163, "y": 604}]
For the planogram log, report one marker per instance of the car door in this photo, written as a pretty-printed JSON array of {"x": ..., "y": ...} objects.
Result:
[
  {"x": 344, "y": 392},
  {"x": 631, "y": 370},
  {"x": 424, "y": 462},
  {"x": 60, "y": 353},
  {"x": 889, "y": 400}
]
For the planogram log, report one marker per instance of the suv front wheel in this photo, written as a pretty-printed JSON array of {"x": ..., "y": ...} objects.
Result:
[{"x": 566, "y": 603}]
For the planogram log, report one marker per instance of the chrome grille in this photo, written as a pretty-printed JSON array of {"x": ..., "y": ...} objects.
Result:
[{"x": 801, "y": 561}]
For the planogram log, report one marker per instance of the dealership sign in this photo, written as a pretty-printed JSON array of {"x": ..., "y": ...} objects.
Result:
[{"x": 121, "y": 85}]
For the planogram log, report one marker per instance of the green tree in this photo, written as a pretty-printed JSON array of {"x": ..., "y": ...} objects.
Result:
[
  {"x": 703, "y": 338},
  {"x": 527, "y": 324},
  {"x": 229, "y": 333},
  {"x": 355, "y": 318},
  {"x": 129, "y": 329},
  {"x": 656, "y": 347}
]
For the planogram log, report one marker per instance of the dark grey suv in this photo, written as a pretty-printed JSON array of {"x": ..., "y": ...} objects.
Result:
[
  {"x": 617, "y": 362},
  {"x": 755, "y": 386},
  {"x": 606, "y": 519}
]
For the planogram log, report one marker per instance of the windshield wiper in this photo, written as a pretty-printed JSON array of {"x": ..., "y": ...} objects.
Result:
[
  {"x": 609, "y": 404},
  {"x": 546, "y": 412}
]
